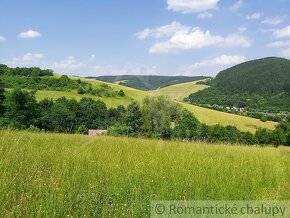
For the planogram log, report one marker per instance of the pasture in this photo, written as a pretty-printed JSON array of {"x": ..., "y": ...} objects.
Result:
[{"x": 55, "y": 175}]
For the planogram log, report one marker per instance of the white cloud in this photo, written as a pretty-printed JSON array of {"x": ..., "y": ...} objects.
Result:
[
  {"x": 237, "y": 6},
  {"x": 30, "y": 34},
  {"x": 163, "y": 31},
  {"x": 279, "y": 44},
  {"x": 236, "y": 40},
  {"x": 177, "y": 37},
  {"x": 124, "y": 70},
  {"x": 281, "y": 33},
  {"x": 70, "y": 65},
  {"x": 2, "y": 39},
  {"x": 28, "y": 59},
  {"x": 189, "y": 6},
  {"x": 67, "y": 65},
  {"x": 205, "y": 15},
  {"x": 254, "y": 16},
  {"x": 32, "y": 57},
  {"x": 242, "y": 29},
  {"x": 215, "y": 65},
  {"x": 183, "y": 40},
  {"x": 274, "y": 20},
  {"x": 286, "y": 53}
]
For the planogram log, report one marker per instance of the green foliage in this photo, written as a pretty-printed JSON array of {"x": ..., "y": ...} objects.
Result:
[
  {"x": 21, "y": 109},
  {"x": 187, "y": 128},
  {"x": 60, "y": 117},
  {"x": 278, "y": 138},
  {"x": 92, "y": 114},
  {"x": 149, "y": 82},
  {"x": 81, "y": 91},
  {"x": 263, "y": 136},
  {"x": 82, "y": 129},
  {"x": 2, "y": 97},
  {"x": 37, "y": 79},
  {"x": 33, "y": 128},
  {"x": 134, "y": 118},
  {"x": 262, "y": 85},
  {"x": 121, "y": 130},
  {"x": 26, "y": 72},
  {"x": 158, "y": 117},
  {"x": 285, "y": 128},
  {"x": 207, "y": 82},
  {"x": 122, "y": 93},
  {"x": 264, "y": 119},
  {"x": 159, "y": 114}
]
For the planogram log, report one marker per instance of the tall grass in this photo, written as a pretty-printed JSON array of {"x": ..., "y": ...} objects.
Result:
[{"x": 55, "y": 175}]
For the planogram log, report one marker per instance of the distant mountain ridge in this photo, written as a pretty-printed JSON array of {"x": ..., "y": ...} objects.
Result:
[
  {"x": 261, "y": 85},
  {"x": 267, "y": 75},
  {"x": 148, "y": 82}
]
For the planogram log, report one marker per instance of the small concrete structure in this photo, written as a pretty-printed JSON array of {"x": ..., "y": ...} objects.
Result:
[{"x": 95, "y": 132}]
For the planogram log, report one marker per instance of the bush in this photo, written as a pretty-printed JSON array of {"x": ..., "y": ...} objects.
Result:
[
  {"x": 278, "y": 138},
  {"x": 119, "y": 130},
  {"x": 121, "y": 93},
  {"x": 263, "y": 136},
  {"x": 81, "y": 91},
  {"x": 82, "y": 129},
  {"x": 264, "y": 119},
  {"x": 33, "y": 128}
]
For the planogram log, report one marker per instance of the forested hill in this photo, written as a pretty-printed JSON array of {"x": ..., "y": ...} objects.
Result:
[
  {"x": 148, "y": 82},
  {"x": 267, "y": 75},
  {"x": 258, "y": 85}
]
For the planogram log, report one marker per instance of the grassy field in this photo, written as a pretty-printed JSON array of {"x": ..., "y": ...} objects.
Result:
[
  {"x": 110, "y": 101},
  {"x": 54, "y": 175},
  {"x": 205, "y": 115},
  {"x": 179, "y": 91},
  {"x": 212, "y": 117},
  {"x": 136, "y": 94}
]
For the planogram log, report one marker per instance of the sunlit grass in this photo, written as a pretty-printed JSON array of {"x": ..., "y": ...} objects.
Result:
[
  {"x": 179, "y": 91},
  {"x": 212, "y": 117},
  {"x": 109, "y": 101},
  {"x": 54, "y": 175},
  {"x": 208, "y": 116}
]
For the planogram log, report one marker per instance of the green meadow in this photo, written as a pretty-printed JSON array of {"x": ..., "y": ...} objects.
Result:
[
  {"x": 56, "y": 175},
  {"x": 175, "y": 92}
]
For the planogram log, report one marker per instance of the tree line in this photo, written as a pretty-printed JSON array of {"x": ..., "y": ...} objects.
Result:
[
  {"x": 258, "y": 86},
  {"x": 34, "y": 78},
  {"x": 156, "y": 117}
]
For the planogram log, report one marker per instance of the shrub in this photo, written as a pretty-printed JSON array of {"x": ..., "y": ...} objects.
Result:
[
  {"x": 264, "y": 119},
  {"x": 81, "y": 91},
  {"x": 82, "y": 129},
  {"x": 119, "y": 130},
  {"x": 33, "y": 128},
  {"x": 121, "y": 93}
]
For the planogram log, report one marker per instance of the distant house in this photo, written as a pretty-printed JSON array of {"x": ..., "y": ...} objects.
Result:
[{"x": 95, "y": 132}]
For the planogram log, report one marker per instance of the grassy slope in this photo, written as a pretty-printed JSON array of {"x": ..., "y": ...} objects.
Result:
[
  {"x": 110, "y": 102},
  {"x": 179, "y": 91},
  {"x": 54, "y": 175},
  {"x": 212, "y": 117},
  {"x": 207, "y": 116}
]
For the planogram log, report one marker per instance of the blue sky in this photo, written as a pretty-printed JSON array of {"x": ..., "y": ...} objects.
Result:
[{"x": 164, "y": 37}]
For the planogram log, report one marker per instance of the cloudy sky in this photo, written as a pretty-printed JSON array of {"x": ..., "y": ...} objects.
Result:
[{"x": 165, "y": 37}]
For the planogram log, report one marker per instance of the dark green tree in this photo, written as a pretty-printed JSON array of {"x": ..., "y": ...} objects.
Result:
[
  {"x": 278, "y": 137},
  {"x": 92, "y": 114},
  {"x": 134, "y": 118},
  {"x": 59, "y": 117},
  {"x": 263, "y": 136},
  {"x": 160, "y": 114},
  {"x": 2, "y": 98},
  {"x": 187, "y": 127},
  {"x": 21, "y": 109}
]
